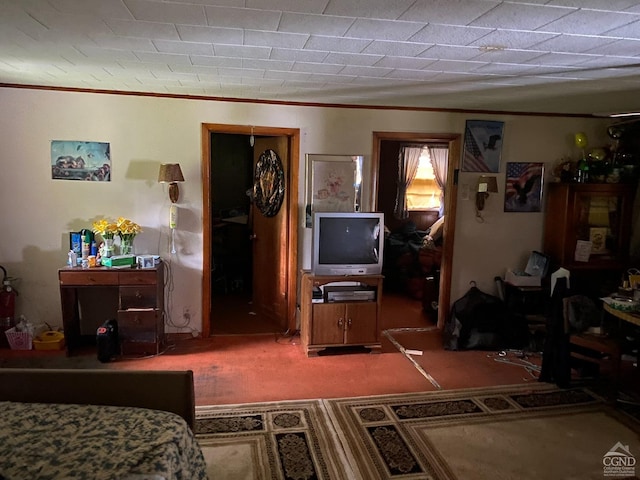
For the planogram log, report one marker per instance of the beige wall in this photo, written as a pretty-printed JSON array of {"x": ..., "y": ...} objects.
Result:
[{"x": 38, "y": 212}]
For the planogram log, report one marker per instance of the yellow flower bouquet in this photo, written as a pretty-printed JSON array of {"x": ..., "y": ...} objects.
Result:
[
  {"x": 107, "y": 230},
  {"x": 127, "y": 231}
]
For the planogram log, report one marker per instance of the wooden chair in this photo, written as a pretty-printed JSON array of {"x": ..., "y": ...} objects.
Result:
[{"x": 600, "y": 350}]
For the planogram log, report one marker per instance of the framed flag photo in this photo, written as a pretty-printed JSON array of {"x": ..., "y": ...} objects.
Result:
[
  {"x": 523, "y": 189},
  {"x": 482, "y": 146}
]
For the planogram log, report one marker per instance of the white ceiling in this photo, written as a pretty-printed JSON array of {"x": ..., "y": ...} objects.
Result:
[{"x": 564, "y": 56}]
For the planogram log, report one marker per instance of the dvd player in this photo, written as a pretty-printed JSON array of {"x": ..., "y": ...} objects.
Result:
[{"x": 349, "y": 294}]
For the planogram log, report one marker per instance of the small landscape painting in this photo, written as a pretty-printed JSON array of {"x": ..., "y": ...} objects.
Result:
[{"x": 73, "y": 160}]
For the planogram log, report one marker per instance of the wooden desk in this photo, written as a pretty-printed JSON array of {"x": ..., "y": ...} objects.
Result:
[{"x": 134, "y": 297}]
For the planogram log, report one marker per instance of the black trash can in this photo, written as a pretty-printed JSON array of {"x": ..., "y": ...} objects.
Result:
[{"x": 107, "y": 341}]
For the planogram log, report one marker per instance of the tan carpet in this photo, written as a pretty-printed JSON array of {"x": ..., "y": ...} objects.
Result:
[{"x": 513, "y": 432}]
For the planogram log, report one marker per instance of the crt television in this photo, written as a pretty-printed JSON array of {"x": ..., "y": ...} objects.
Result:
[{"x": 347, "y": 243}]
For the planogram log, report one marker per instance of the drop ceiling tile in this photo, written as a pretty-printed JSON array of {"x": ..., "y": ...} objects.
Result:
[
  {"x": 108, "y": 54},
  {"x": 242, "y": 18},
  {"x": 615, "y": 5},
  {"x": 561, "y": 59},
  {"x": 301, "y": 6},
  {"x": 334, "y": 44},
  {"x": 505, "y": 69},
  {"x": 352, "y": 59},
  {"x": 513, "y": 39},
  {"x": 455, "y": 66},
  {"x": 509, "y": 56},
  {"x": 123, "y": 43},
  {"x": 366, "y": 71},
  {"x": 395, "y": 49},
  {"x": 573, "y": 43},
  {"x": 166, "y": 12},
  {"x": 520, "y": 17},
  {"x": 67, "y": 23},
  {"x": 450, "y": 35},
  {"x": 589, "y": 22},
  {"x": 383, "y": 9},
  {"x": 451, "y": 12},
  {"x": 229, "y": 36},
  {"x": 266, "y": 64},
  {"x": 630, "y": 31},
  {"x": 627, "y": 48},
  {"x": 404, "y": 63},
  {"x": 275, "y": 39},
  {"x": 153, "y": 30},
  {"x": 405, "y": 74},
  {"x": 102, "y": 8},
  {"x": 201, "y": 63},
  {"x": 167, "y": 58},
  {"x": 451, "y": 52},
  {"x": 325, "y": 68},
  {"x": 383, "y": 29},
  {"x": 241, "y": 72},
  {"x": 188, "y": 48},
  {"x": 315, "y": 24},
  {"x": 241, "y": 51},
  {"x": 306, "y": 55}
]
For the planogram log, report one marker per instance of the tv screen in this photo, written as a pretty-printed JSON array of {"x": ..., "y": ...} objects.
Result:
[{"x": 347, "y": 243}]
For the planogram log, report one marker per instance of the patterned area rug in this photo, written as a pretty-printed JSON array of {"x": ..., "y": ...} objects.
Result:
[
  {"x": 287, "y": 440},
  {"x": 522, "y": 431}
]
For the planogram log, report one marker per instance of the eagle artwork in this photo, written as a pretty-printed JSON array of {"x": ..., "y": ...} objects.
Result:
[{"x": 523, "y": 191}]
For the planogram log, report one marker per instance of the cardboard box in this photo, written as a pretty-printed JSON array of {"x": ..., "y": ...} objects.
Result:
[
  {"x": 121, "y": 261},
  {"x": 522, "y": 279}
]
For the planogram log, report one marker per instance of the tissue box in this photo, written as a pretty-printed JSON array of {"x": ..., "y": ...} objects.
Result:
[
  {"x": 522, "y": 279},
  {"x": 122, "y": 261}
]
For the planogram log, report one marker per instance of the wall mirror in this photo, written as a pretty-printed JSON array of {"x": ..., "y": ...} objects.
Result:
[{"x": 334, "y": 184}]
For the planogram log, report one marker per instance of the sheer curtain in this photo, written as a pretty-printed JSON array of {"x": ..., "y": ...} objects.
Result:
[
  {"x": 408, "y": 161},
  {"x": 440, "y": 163}
]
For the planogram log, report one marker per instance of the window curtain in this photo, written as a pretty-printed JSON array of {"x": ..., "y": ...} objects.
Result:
[
  {"x": 440, "y": 164},
  {"x": 408, "y": 161}
]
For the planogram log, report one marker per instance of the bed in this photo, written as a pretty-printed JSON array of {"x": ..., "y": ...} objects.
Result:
[{"x": 98, "y": 424}]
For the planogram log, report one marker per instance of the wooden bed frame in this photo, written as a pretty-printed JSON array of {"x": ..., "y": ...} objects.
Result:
[{"x": 167, "y": 390}]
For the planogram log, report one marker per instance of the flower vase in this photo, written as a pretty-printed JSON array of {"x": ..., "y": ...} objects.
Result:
[
  {"x": 126, "y": 246},
  {"x": 107, "y": 249}
]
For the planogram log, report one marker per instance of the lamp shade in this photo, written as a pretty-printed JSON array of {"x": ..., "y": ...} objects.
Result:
[{"x": 170, "y": 173}]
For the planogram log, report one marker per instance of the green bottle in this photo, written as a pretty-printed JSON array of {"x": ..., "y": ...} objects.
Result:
[{"x": 582, "y": 175}]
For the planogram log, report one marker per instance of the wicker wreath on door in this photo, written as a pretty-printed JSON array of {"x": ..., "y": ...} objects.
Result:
[{"x": 268, "y": 183}]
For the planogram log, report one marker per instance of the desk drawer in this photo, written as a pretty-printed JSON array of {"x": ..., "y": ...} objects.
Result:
[
  {"x": 138, "y": 278},
  {"x": 143, "y": 296},
  {"x": 87, "y": 278},
  {"x": 140, "y": 331}
]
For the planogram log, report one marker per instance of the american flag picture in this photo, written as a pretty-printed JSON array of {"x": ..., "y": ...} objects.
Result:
[
  {"x": 482, "y": 146},
  {"x": 523, "y": 189}
]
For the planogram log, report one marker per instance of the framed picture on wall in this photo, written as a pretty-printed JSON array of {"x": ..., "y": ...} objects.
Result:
[
  {"x": 523, "y": 189},
  {"x": 482, "y": 146},
  {"x": 333, "y": 184},
  {"x": 80, "y": 161}
]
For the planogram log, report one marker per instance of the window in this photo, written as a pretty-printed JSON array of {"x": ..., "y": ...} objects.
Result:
[{"x": 423, "y": 193}]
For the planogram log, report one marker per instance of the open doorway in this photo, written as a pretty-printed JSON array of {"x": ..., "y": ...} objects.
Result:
[
  {"x": 386, "y": 148},
  {"x": 241, "y": 257}
]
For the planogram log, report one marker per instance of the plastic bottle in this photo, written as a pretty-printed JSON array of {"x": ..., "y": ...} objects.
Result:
[
  {"x": 7, "y": 304},
  {"x": 73, "y": 259},
  {"x": 582, "y": 174}
]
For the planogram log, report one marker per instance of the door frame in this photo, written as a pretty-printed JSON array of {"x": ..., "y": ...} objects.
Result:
[
  {"x": 291, "y": 192},
  {"x": 450, "y": 200}
]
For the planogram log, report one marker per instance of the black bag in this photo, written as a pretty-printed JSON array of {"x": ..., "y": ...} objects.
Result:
[
  {"x": 477, "y": 321},
  {"x": 107, "y": 341}
]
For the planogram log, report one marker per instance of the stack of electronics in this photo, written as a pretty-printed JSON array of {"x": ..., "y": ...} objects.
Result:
[{"x": 342, "y": 293}]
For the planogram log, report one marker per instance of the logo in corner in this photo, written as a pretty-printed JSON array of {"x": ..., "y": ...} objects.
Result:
[{"x": 619, "y": 462}]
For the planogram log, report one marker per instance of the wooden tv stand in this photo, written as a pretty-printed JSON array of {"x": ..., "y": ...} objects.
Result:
[{"x": 340, "y": 323}]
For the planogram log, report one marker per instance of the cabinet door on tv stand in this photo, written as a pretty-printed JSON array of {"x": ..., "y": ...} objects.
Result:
[
  {"x": 328, "y": 323},
  {"x": 362, "y": 324}
]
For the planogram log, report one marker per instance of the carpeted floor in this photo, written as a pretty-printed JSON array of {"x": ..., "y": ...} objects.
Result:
[{"x": 529, "y": 431}]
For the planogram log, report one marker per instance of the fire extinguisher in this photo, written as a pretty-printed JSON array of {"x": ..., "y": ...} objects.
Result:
[{"x": 8, "y": 296}]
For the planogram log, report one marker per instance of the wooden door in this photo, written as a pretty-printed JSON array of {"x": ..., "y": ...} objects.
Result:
[{"x": 270, "y": 246}]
